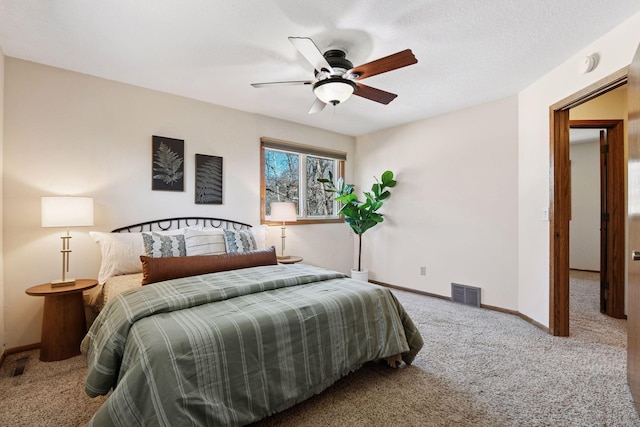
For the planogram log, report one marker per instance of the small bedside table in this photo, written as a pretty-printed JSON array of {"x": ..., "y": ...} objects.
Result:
[
  {"x": 63, "y": 322},
  {"x": 291, "y": 259}
]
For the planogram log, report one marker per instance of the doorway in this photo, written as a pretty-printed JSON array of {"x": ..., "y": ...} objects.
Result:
[
  {"x": 560, "y": 203},
  {"x": 611, "y": 213}
]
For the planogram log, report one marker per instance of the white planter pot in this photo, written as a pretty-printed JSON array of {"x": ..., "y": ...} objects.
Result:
[{"x": 362, "y": 275}]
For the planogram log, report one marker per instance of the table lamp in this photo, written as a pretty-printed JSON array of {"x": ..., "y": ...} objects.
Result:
[
  {"x": 66, "y": 212},
  {"x": 283, "y": 211}
]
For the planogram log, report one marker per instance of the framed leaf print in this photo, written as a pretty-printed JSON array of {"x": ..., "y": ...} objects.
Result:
[
  {"x": 168, "y": 164},
  {"x": 208, "y": 180}
]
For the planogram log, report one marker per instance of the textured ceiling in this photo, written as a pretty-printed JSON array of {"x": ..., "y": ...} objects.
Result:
[{"x": 469, "y": 51}]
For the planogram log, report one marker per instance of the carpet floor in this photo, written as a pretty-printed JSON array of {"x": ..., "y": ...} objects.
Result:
[{"x": 478, "y": 368}]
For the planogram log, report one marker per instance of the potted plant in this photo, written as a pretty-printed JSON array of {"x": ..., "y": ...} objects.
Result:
[{"x": 361, "y": 215}]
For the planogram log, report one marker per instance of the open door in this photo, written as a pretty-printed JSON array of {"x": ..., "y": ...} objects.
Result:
[
  {"x": 633, "y": 308},
  {"x": 612, "y": 214},
  {"x": 604, "y": 223}
]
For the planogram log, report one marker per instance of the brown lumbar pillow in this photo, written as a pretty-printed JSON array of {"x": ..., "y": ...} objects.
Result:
[{"x": 159, "y": 269}]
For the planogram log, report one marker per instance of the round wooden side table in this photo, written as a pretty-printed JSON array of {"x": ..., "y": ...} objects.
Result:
[
  {"x": 64, "y": 324},
  {"x": 291, "y": 259}
]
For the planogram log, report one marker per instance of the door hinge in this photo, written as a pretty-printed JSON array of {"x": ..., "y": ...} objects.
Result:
[{"x": 604, "y": 217}]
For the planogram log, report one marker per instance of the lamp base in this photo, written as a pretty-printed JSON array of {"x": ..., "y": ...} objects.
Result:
[
  {"x": 65, "y": 282},
  {"x": 283, "y": 256}
]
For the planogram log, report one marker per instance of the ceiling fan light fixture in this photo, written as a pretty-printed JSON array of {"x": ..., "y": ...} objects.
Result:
[{"x": 334, "y": 90}]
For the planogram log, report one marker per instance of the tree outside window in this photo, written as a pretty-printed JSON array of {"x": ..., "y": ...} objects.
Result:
[
  {"x": 290, "y": 173},
  {"x": 281, "y": 178},
  {"x": 319, "y": 202}
]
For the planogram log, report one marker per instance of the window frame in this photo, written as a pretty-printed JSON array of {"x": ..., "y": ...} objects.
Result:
[{"x": 303, "y": 150}]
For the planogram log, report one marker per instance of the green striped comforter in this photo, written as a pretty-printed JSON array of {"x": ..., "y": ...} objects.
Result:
[{"x": 230, "y": 348}]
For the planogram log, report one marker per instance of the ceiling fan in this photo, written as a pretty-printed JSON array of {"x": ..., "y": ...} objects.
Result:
[{"x": 336, "y": 79}]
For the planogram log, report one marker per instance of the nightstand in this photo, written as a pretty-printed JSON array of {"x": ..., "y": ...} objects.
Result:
[
  {"x": 63, "y": 322},
  {"x": 291, "y": 259}
]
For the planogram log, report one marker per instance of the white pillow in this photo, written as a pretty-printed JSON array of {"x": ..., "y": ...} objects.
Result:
[
  {"x": 205, "y": 242},
  {"x": 120, "y": 253},
  {"x": 260, "y": 235},
  {"x": 171, "y": 232}
]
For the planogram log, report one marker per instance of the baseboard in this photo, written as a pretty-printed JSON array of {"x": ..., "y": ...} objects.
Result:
[
  {"x": 20, "y": 349},
  {"x": 415, "y": 291},
  {"x": 485, "y": 306},
  {"x": 586, "y": 271},
  {"x": 533, "y": 322}
]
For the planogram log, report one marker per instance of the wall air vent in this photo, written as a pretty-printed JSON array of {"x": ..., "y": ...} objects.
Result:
[{"x": 468, "y": 295}]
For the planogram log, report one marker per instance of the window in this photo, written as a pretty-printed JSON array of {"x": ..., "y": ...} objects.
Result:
[{"x": 290, "y": 173}]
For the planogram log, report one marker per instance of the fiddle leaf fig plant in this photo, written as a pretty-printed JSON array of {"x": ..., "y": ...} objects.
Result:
[{"x": 361, "y": 215}]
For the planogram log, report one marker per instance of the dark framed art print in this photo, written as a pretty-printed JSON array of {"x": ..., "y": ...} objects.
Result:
[
  {"x": 167, "y": 172},
  {"x": 208, "y": 180}
]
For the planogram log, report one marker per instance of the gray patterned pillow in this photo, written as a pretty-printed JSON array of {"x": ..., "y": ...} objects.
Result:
[
  {"x": 239, "y": 241},
  {"x": 161, "y": 246}
]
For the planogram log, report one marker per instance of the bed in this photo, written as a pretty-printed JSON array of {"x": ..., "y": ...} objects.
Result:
[
  {"x": 121, "y": 268},
  {"x": 242, "y": 339}
]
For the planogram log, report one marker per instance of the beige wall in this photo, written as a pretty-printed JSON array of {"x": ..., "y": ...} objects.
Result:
[
  {"x": 585, "y": 231},
  {"x": 584, "y": 235},
  {"x": 611, "y": 105},
  {"x": 615, "y": 50},
  {"x": 455, "y": 207},
  {"x": 68, "y": 133},
  {"x": 454, "y": 233},
  {"x": 2, "y": 287}
]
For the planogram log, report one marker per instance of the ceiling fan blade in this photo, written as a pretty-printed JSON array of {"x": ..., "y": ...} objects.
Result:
[
  {"x": 317, "y": 106},
  {"x": 310, "y": 51},
  {"x": 382, "y": 65},
  {"x": 286, "y": 83},
  {"x": 374, "y": 94}
]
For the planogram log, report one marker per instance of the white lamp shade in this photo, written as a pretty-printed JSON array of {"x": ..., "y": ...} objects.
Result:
[
  {"x": 284, "y": 211},
  {"x": 333, "y": 91},
  {"x": 67, "y": 211}
]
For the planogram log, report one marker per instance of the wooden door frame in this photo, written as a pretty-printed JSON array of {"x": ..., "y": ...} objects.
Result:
[
  {"x": 615, "y": 244},
  {"x": 559, "y": 202}
]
